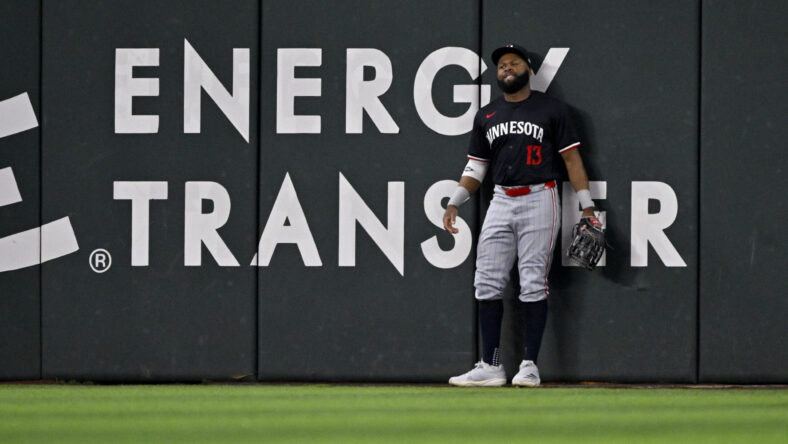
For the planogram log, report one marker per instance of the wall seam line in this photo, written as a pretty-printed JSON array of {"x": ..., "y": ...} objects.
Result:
[
  {"x": 257, "y": 294},
  {"x": 40, "y": 187},
  {"x": 700, "y": 190}
]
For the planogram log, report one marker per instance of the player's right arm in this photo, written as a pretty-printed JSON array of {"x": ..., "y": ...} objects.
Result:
[
  {"x": 472, "y": 175},
  {"x": 470, "y": 181}
]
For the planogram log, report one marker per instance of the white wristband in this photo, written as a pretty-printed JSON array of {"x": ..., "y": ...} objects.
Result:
[
  {"x": 585, "y": 199},
  {"x": 476, "y": 169},
  {"x": 459, "y": 197}
]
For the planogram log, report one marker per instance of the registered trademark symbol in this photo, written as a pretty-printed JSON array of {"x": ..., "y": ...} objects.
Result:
[{"x": 100, "y": 260}]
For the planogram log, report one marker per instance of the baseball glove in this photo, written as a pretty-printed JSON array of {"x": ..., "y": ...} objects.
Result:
[{"x": 588, "y": 242}]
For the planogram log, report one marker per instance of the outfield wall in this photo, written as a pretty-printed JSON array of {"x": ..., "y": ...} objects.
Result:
[{"x": 255, "y": 192}]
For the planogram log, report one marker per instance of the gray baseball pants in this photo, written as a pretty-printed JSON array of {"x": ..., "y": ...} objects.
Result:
[{"x": 522, "y": 228}]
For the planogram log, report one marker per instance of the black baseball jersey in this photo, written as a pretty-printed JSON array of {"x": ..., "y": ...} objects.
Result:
[{"x": 522, "y": 140}]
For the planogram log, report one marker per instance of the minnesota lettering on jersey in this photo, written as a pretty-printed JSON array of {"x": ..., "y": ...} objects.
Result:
[{"x": 513, "y": 127}]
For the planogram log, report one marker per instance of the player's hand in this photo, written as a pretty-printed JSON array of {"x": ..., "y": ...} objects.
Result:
[
  {"x": 449, "y": 218},
  {"x": 588, "y": 213}
]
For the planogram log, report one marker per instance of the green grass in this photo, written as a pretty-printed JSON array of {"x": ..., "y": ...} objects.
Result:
[{"x": 282, "y": 413}]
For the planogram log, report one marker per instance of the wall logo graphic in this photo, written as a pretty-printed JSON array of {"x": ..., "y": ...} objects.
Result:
[{"x": 40, "y": 244}]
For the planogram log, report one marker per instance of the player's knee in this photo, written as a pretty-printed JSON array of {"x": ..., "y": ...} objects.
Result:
[
  {"x": 487, "y": 292},
  {"x": 534, "y": 296}
]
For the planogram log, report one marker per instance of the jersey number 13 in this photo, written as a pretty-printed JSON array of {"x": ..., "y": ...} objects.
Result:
[{"x": 534, "y": 155}]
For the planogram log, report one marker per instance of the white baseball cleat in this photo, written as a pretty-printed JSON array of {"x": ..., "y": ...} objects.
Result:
[
  {"x": 482, "y": 375},
  {"x": 528, "y": 376}
]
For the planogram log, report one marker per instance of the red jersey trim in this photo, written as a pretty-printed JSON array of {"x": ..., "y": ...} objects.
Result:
[
  {"x": 478, "y": 158},
  {"x": 569, "y": 147}
]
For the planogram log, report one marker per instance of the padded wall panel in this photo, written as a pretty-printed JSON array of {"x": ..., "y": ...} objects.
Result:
[
  {"x": 633, "y": 90},
  {"x": 20, "y": 203},
  {"x": 742, "y": 300},
  {"x": 159, "y": 316},
  {"x": 363, "y": 315}
]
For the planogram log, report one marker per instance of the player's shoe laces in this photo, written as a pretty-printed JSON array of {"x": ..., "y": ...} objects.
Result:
[
  {"x": 528, "y": 376},
  {"x": 482, "y": 375}
]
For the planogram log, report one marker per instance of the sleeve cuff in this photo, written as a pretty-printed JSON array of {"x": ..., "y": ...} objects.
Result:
[
  {"x": 478, "y": 158},
  {"x": 569, "y": 147}
]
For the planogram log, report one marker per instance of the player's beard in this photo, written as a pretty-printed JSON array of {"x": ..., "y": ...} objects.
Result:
[{"x": 517, "y": 84}]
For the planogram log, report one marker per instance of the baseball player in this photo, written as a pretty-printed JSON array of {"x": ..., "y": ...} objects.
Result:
[{"x": 520, "y": 139}]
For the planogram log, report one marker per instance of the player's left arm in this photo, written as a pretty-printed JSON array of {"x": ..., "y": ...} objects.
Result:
[{"x": 577, "y": 175}]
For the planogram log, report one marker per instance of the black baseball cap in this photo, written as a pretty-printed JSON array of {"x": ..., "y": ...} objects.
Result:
[{"x": 513, "y": 48}]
